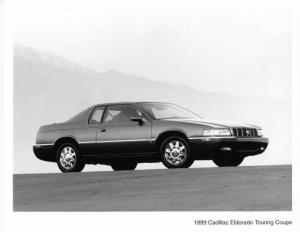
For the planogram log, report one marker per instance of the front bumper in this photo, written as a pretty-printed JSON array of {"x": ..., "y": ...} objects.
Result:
[
  {"x": 44, "y": 152},
  {"x": 246, "y": 146}
]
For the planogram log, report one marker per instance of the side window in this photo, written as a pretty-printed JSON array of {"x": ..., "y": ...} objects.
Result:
[
  {"x": 120, "y": 114},
  {"x": 96, "y": 115}
]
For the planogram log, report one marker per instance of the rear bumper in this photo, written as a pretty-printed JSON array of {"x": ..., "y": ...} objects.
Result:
[
  {"x": 44, "y": 152},
  {"x": 246, "y": 146}
]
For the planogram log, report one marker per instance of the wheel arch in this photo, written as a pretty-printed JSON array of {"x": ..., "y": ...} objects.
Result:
[
  {"x": 162, "y": 136},
  {"x": 66, "y": 139}
]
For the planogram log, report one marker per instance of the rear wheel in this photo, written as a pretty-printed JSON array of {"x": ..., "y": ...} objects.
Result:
[
  {"x": 175, "y": 153},
  {"x": 68, "y": 158},
  {"x": 123, "y": 165},
  {"x": 228, "y": 160}
]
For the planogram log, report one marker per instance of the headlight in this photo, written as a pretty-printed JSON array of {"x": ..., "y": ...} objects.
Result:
[
  {"x": 216, "y": 132},
  {"x": 259, "y": 132}
]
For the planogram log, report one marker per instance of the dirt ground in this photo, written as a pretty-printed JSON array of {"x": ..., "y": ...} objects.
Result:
[{"x": 252, "y": 188}]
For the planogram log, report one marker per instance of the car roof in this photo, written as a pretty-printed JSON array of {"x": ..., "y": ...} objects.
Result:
[{"x": 128, "y": 102}]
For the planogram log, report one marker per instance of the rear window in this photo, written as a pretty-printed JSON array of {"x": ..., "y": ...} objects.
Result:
[
  {"x": 96, "y": 115},
  {"x": 81, "y": 116}
]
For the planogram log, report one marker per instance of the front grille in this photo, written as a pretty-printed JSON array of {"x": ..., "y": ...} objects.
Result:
[{"x": 244, "y": 132}]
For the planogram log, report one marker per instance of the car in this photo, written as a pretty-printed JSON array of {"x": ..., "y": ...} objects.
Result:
[{"x": 124, "y": 134}]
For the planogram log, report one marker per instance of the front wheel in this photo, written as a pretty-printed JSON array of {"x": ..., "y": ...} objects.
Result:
[
  {"x": 68, "y": 158},
  {"x": 175, "y": 153},
  {"x": 228, "y": 160}
]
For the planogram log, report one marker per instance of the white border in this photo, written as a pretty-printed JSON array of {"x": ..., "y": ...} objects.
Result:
[
  {"x": 296, "y": 111},
  {"x": 8, "y": 116},
  {"x": 133, "y": 221}
]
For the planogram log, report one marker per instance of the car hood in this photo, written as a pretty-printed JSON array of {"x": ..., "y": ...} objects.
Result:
[{"x": 213, "y": 123}]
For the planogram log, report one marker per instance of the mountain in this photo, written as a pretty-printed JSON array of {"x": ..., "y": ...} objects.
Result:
[{"x": 49, "y": 88}]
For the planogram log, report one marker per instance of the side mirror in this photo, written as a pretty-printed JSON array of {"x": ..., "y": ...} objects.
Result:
[{"x": 140, "y": 120}]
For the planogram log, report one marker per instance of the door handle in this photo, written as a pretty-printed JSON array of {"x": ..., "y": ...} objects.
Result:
[{"x": 102, "y": 130}]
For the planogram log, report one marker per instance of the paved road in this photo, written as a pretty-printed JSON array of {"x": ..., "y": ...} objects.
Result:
[{"x": 197, "y": 189}]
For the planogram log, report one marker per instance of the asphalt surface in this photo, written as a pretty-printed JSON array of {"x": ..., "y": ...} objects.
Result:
[{"x": 254, "y": 188}]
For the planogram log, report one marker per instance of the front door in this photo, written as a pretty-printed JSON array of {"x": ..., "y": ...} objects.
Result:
[{"x": 118, "y": 135}]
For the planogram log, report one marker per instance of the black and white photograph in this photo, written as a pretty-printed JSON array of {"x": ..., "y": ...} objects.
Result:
[{"x": 151, "y": 109}]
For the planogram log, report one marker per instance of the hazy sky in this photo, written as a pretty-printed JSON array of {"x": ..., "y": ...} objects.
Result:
[
  {"x": 237, "y": 47},
  {"x": 224, "y": 46}
]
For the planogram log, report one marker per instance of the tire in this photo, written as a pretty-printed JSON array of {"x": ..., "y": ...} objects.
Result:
[
  {"x": 175, "y": 152},
  {"x": 228, "y": 160},
  {"x": 68, "y": 158},
  {"x": 123, "y": 165}
]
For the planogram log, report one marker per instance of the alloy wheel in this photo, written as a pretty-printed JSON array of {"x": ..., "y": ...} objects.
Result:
[
  {"x": 175, "y": 152},
  {"x": 67, "y": 158}
]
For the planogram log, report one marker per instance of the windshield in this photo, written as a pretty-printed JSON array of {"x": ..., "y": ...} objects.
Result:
[{"x": 168, "y": 111}]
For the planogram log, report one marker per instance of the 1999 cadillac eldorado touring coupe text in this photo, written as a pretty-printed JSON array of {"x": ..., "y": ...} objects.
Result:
[{"x": 124, "y": 134}]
